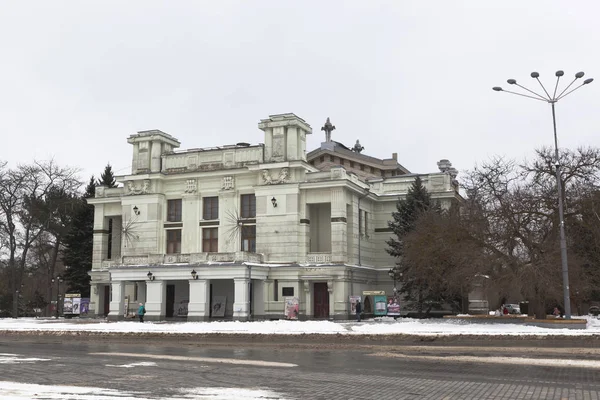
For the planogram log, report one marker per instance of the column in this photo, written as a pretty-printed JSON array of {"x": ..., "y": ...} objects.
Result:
[
  {"x": 308, "y": 312},
  {"x": 198, "y": 308},
  {"x": 94, "y": 307},
  {"x": 156, "y": 305},
  {"x": 339, "y": 245},
  {"x": 241, "y": 301},
  {"x": 116, "y": 302},
  {"x": 331, "y": 299}
]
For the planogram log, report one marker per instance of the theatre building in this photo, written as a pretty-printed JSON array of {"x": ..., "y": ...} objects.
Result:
[{"x": 234, "y": 231}]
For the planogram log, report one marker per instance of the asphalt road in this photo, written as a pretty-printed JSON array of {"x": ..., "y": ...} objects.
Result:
[{"x": 158, "y": 368}]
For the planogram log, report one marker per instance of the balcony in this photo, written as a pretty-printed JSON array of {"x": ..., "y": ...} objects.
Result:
[{"x": 318, "y": 258}]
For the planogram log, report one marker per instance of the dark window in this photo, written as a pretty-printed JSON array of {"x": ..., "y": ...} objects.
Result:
[
  {"x": 322, "y": 158},
  {"x": 331, "y": 158},
  {"x": 248, "y": 206},
  {"x": 249, "y": 238},
  {"x": 173, "y": 241},
  {"x": 360, "y": 222},
  {"x": 366, "y": 224},
  {"x": 383, "y": 174},
  {"x": 210, "y": 240},
  {"x": 210, "y": 209},
  {"x": 174, "y": 210},
  {"x": 351, "y": 164},
  {"x": 362, "y": 167},
  {"x": 287, "y": 291},
  {"x": 372, "y": 170},
  {"x": 276, "y": 290}
]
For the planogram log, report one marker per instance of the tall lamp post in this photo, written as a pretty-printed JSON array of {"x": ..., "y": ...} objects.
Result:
[
  {"x": 58, "y": 280},
  {"x": 396, "y": 275},
  {"x": 16, "y": 301},
  {"x": 552, "y": 100}
]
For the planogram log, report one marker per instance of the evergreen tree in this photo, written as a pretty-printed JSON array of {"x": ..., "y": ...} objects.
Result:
[
  {"x": 107, "y": 178},
  {"x": 418, "y": 201},
  {"x": 77, "y": 254}
]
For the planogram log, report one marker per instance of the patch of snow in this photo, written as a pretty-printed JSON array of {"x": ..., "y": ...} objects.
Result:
[{"x": 132, "y": 365}]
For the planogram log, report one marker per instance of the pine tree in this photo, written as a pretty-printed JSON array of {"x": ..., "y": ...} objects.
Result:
[
  {"x": 77, "y": 254},
  {"x": 417, "y": 202},
  {"x": 107, "y": 178}
]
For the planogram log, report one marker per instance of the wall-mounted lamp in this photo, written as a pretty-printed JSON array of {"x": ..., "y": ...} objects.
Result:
[
  {"x": 136, "y": 210},
  {"x": 194, "y": 274},
  {"x": 274, "y": 202},
  {"x": 150, "y": 276}
]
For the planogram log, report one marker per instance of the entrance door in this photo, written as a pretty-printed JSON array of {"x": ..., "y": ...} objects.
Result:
[
  {"x": 321, "y": 300},
  {"x": 170, "y": 300},
  {"x": 106, "y": 300}
]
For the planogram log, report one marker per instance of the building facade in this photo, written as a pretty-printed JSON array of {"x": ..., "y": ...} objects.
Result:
[{"x": 234, "y": 231}]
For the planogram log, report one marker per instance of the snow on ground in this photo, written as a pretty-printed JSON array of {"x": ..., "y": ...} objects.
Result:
[
  {"x": 20, "y": 391},
  {"x": 380, "y": 326}
]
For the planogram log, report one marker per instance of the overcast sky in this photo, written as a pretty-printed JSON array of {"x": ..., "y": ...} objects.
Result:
[{"x": 412, "y": 77}]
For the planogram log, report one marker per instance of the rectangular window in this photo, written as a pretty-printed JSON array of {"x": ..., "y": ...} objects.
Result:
[
  {"x": 287, "y": 291},
  {"x": 360, "y": 222},
  {"x": 248, "y": 209},
  {"x": 331, "y": 158},
  {"x": 110, "y": 239},
  {"x": 173, "y": 241},
  {"x": 174, "y": 210},
  {"x": 322, "y": 158},
  {"x": 366, "y": 224},
  {"x": 362, "y": 167},
  {"x": 276, "y": 290},
  {"x": 351, "y": 164},
  {"x": 249, "y": 238},
  {"x": 210, "y": 240},
  {"x": 210, "y": 208}
]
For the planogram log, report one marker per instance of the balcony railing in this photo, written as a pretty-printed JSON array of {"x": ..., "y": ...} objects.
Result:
[
  {"x": 318, "y": 258},
  {"x": 191, "y": 258}
]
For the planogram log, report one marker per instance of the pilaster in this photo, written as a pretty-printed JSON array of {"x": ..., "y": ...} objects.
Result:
[
  {"x": 198, "y": 308},
  {"x": 116, "y": 302},
  {"x": 241, "y": 301},
  {"x": 156, "y": 306}
]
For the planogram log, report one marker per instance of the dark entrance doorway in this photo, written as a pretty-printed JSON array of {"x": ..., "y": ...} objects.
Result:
[
  {"x": 170, "y": 301},
  {"x": 321, "y": 300},
  {"x": 106, "y": 300}
]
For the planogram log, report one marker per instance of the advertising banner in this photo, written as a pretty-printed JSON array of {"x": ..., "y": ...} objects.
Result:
[
  {"x": 218, "y": 306},
  {"x": 393, "y": 308},
  {"x": 84, "y": 307},
  {"x": 380, "y": 305},
  {"x": 291, "y": 308},
  {"x": 71, "y": 303}
]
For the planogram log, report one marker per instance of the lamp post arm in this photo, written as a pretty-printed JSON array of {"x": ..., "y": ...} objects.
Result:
[{"x": 524, "y": 95}]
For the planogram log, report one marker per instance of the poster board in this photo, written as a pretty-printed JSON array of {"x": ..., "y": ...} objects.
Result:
[
  {"x": 218, "y": 306},
  {"x": 380, "y": 305},
  {"x": 71, "y": 304},
  {"x": 353, "y": 301},
  {"x": 126, "y": 306},
  {"x": 393, "y": 307},
  {"x": 182, "y": 310},
  {"x": 84, "y": 307},
  {"x": 291, "y": 308}
]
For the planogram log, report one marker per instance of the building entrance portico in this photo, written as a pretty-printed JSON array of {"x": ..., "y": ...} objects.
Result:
[{"x": 320, "y": 300}]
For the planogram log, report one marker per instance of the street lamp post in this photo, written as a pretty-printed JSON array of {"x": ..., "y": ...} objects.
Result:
[
  {"x": 58, "y": 280},
  {"x": 16, "y": 302},
  {"x": 552, "y": 100},
  {"x": 396, "y": 275}
]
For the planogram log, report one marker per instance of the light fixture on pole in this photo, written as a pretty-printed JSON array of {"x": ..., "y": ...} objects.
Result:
[
  {"x": 16, "y": 301},
  {"x": 150, "y": 276},
  {"x": 552, "y": 100},
  {"x": 194, "y": 274},
  {"x": 396, "y": 275},
  {"x": 136, "y": 210},
  {"x": 274, "y": 202}
]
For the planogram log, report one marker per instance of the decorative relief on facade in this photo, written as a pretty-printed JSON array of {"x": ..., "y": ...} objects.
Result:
[
  {"x": 277, "y": 148},
  {"x": 330, "y": 286},
  {"x": 135, "y": 260},
  {"x": 283, "y": 177},
  {"x": 227, "y": 183},
  {"x": 318, "y": 258},
  {"x": 143, "y": 189},
  {"x": 191, "y": 186},
  {"x": 306, "y": 286},
  {"x": 221, "y": 257}
]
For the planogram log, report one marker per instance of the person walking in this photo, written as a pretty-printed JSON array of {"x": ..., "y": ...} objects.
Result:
[
  {"x": 358, "y": 310},
  {"x": 141, "y": 311}
]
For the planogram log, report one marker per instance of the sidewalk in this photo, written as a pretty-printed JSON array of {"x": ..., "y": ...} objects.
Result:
[{"x": 379, "y": 326}]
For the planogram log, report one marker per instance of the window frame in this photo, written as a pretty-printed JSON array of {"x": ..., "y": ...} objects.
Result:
[
  {"x": 210, "y": 208},
  {"x": 173, "y": 241},
  {"x": 248, "y": 210},
  {"x": 211, "y": 240},
  {"x": 251, "y": 239},
  {"x": 174, "y": 210}
]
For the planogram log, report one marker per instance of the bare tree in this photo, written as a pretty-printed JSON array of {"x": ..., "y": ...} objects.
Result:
[
  {"x": 513, "y": 215},
  {"x": 24, "y": 215}
]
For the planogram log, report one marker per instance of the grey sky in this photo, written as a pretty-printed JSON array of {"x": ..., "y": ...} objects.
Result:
[{"x": 412, "y": 77}]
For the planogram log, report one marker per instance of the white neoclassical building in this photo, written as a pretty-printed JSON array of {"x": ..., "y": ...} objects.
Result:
[{"x": 233, "y": 231}]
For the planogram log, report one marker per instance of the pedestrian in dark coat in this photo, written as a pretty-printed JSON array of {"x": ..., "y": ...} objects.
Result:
[
  {"x": 358, "y": 310},
  {"x": 141, "y": 312}
]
